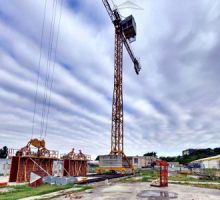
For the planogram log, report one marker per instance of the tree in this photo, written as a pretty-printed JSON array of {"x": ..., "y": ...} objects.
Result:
[
  {"x": 4, "y": 152},
  {"x": 97, "y": 158},
  {"x": 151, "y": 154},
  {"x": 217, "y": 150}
]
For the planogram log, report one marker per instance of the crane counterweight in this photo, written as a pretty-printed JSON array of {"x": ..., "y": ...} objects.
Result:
[{"x": 129, "y": 28}]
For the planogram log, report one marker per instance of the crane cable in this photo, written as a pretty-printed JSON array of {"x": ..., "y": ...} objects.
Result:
[
  {"x": 39, "y": 67},
  {"x": 54, "y": 61},
  {"x": 48, "y": 66},
  {"x": 47, "y": 83}
]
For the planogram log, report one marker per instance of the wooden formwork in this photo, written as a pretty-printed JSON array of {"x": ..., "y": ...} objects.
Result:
[
  {"x": 22, "y": 166},
  {"x": 74, "y": 167}
]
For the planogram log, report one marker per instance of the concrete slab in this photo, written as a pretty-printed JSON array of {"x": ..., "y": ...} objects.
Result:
[
  {"x": 130, "y": 191},
  {"x": 117, "y": 189}
]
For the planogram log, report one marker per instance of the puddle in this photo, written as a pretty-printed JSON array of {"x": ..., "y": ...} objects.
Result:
[{"x": 157, "y": 195}]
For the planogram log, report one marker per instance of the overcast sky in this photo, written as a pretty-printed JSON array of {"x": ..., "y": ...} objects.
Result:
[{"x": 172, "y": 105}]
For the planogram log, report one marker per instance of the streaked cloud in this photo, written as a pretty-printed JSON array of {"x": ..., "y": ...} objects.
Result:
[{"x": 173, "y": 104}]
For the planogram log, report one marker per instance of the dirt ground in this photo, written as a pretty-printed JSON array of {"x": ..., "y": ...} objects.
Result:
[{"x": 132, "y": 191}]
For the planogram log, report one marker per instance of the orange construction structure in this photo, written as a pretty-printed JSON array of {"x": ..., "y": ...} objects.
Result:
[
  {"x": 22, "y": 166},
  {"x": 75, "y": 164},
  {"x": 26, "y": 160}
]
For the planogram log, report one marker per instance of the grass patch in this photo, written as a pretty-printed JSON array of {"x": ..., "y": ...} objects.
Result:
[
  {"x": 127, "y": 180},
  {"x": 180, "y": 177},
  {"x": 209, "y": 186},
  {"x": 146, "y": 179},
  {"x": 211, "y": 172},
  {"x": 23, "y": 191},
  {"x": 150, "y": 174},
  {"x": 141, "y": 176},
  {"x": 154, "y": 174},
  {"x": 191, "y": 179}
]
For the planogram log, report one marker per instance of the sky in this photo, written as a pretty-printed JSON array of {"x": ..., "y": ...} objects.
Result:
[{"x": 64, "y": 57}]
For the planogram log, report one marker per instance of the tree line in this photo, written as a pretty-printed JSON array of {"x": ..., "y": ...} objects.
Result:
[{"x": 195, "y": 155}]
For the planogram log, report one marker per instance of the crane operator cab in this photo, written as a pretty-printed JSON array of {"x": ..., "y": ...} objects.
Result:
[{"x": 129, "y": 28}]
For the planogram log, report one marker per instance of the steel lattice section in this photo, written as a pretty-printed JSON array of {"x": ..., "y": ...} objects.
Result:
[{"x": 117, "y": 103}]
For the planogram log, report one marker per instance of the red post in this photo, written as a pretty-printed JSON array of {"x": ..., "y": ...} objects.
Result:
[{"x": 163, "y": 173}]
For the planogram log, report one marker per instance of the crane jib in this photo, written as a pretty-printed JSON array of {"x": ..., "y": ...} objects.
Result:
[{"x": 118, "y": 23}]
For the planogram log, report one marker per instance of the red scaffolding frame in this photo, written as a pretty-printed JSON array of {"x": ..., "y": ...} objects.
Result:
[{"x": 163, "y": 173}]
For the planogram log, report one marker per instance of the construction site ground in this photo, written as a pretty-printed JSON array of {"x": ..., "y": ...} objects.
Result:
[
  {"x": 131, "y": 191},
  {"x": 120, "y": 188}
]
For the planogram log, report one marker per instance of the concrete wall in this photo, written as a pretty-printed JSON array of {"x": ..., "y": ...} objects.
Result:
[
  {"x": 5, "y": 165},
  {"x": 58, "y": 168},
  {"x": 214, "y": 164},
  {"x": 141, "y": 161},
  {"x": 211, "y": 164},
  {"x": 110, "y": 161}
]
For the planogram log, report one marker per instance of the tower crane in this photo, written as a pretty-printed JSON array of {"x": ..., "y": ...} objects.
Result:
[{"x": 125, "y": 33}]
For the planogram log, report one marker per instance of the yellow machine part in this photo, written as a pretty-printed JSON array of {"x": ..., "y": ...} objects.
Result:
[{"x": 37, "y": 143}]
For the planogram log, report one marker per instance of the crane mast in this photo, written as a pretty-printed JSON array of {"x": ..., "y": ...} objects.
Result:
[
  {"x": 117, "y": 131},
  {"x": 124, "y": 31}
]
